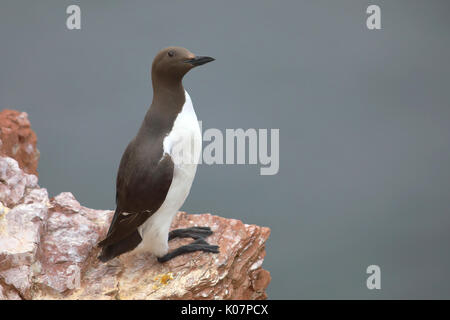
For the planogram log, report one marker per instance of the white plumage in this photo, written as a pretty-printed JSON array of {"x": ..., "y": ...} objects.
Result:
[{"x": 183, "y": 144}]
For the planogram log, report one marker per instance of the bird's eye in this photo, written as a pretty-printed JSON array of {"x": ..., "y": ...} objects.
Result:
[{"x": 171, "y": 54}]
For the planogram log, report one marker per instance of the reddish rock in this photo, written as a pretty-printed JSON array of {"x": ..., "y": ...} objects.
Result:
[
  {"x": 14, "y": 183},
  {"x": 234, "y": 273},
  {"x": 72, "y": 231},
  {"x": 18, "y": 140},
  {"x": 8, "y": 292},
  {"x": 23, "y": 213},
  {"x": 48, "y": 250}
]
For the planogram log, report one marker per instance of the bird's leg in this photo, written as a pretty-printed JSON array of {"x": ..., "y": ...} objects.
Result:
[
  {"x": 198, "y": 245},
  {"x": 192, "y": 232}
]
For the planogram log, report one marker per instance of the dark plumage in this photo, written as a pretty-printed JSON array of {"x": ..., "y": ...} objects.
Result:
[{"x": 146, "y": 172}]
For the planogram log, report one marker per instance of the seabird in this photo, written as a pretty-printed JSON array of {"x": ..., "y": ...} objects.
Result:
[{"x": 158, "y": 166}]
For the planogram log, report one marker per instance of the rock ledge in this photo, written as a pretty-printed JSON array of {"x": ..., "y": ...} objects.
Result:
[{"x": 48, "y": 246}]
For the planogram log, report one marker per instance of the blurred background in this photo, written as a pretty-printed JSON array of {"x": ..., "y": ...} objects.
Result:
[{"x": 364, "y": 119}]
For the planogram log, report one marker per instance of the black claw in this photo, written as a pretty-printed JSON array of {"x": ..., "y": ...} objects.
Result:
[
  {"x": 162, "y": 259},
  {"x": 198, "y": 245},
  {"x": 193, "y": 232},
  {"x": 212, "y": 248}
]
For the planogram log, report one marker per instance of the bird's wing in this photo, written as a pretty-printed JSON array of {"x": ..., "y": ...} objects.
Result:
[{"x": 140, "y": 191}]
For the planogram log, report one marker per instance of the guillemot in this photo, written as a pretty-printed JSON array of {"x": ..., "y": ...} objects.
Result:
[{"x": 158, "y": 167}]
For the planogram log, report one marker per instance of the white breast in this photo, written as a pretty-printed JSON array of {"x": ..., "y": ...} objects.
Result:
[
  {"x": 184, "y": 141},
  {"x": 183, "y": 144}
]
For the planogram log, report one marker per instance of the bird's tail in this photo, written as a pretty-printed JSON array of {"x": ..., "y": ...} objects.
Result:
[
  {"x": 113, "y": 250},
  {"x": 106, "y": 254}
]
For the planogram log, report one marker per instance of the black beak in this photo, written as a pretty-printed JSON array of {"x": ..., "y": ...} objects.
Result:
[{"x": 199, "y": 60}]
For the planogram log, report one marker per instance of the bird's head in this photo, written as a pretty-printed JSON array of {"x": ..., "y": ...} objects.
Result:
[{"x": 172, "y": 63}]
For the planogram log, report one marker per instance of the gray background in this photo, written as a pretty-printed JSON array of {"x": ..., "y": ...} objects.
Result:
[{"x": 364, "y": 120}]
